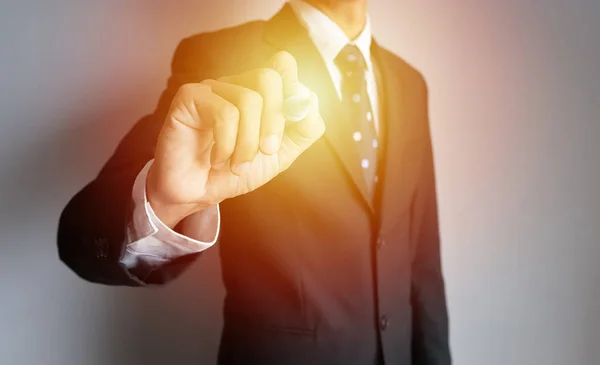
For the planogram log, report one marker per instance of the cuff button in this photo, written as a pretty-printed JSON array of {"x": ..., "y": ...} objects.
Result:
[{"x": 101, "y": 247}]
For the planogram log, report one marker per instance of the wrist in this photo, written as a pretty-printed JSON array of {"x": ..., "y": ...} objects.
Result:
[
  {"x": 169, "y": 213},
  {"x": 172, "y": 214}
]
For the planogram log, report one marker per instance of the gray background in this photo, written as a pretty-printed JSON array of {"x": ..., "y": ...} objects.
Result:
[{"x": 515, "y": 105}]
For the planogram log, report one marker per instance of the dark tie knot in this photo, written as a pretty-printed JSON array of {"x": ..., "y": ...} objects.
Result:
[{"x": 351, "y": 59}]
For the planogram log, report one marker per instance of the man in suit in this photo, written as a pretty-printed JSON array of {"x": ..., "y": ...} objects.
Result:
[{"x": 327, "y": 225}]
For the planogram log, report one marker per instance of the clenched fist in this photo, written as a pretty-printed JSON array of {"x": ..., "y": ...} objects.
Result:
[{"x": 226, "y": 137}]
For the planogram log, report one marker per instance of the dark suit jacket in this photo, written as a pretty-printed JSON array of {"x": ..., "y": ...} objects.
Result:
[{"x": 315, "y": 273}]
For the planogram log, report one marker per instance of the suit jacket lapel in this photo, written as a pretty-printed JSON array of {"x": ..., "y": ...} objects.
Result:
[
  {"x": 285, "y": 32},
  {"x": 397, "y": 174}
]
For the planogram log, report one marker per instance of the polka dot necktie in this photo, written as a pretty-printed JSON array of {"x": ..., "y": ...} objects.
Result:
[{"x": 355, "y": 101}]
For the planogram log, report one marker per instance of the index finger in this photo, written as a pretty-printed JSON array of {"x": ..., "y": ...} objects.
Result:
[{"x": 284, "y": 63}]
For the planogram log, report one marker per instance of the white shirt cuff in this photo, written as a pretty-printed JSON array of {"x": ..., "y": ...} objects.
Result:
[{"x": 151, "y": 240}]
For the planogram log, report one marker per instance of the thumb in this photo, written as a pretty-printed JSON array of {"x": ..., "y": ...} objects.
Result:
[{"x": 305, "y": 132}]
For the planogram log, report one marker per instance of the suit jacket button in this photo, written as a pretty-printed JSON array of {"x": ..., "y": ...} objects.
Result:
[
  {"x": 384, "y": 323},
  {"x": 101, "y": 248}
]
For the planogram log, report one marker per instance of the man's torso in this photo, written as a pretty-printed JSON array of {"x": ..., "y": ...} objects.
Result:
[{"x": 312, "y": 268}]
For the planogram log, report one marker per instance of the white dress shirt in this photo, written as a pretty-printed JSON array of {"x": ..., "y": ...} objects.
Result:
[
  {"x": 152, "y": 241},
  {"x": 330, "y": 39}
]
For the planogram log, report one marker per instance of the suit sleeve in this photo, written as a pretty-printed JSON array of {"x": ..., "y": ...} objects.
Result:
[
  {"x": 92, "y": 233},
  {"x": 430, "y": 319}
]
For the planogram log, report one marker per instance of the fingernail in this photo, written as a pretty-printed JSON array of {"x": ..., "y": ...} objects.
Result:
[
  {"x": 296, "y": 108},
  {"x": 298, "y": 90},
  {"x": 241, "y": 168},
  {"x": 269, "y": 145}
]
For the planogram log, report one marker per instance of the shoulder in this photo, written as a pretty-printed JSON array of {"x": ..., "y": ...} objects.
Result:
[
  {"x": 225, "y": 37},
  {"x": 218, "y": 47},
  {"x": 409, "y": 73}
]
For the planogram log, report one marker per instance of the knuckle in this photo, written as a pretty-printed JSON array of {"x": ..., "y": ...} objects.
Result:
[
  {"x": 285, "y": 63},
  {"x": 207, "y": 82},
  {"x": 190, "y": 90},
  {"x": 186, "y": 89},
  {"x": 182, "y": 93},
  {"x": 269, "y": 78},
  {"x": 251, "y": 100},
  {"x": 285, "y": 58},
  {"x": 228, "y": 114}
]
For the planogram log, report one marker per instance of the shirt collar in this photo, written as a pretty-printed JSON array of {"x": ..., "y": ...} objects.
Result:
[{"x": 327, "y": 36}]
